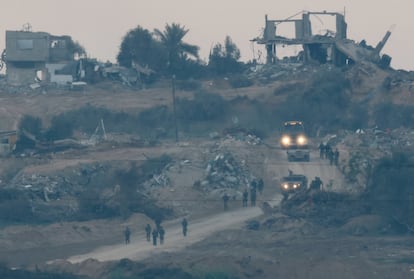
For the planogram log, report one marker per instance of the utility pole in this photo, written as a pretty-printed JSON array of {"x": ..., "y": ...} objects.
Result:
[{"x": 174, "y": 110}]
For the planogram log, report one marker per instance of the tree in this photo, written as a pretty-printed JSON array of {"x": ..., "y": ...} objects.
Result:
[
  {"x": 224, "y": 59},
  {"x": 29, "y": 125},
  {"x": 178, "y": 52},
  {"x": 75, "y": 48},
  {"x": 139, "y": 46}
]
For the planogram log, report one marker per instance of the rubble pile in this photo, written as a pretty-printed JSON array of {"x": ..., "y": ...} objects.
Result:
[
  {"x": 54, "y": 187},
  {"x": 375, "y": 140},
  {"x": 158, "y": 180},
  {"x": 361, "y": 149},
  {"x": 268, "y": 73},
  {"x": 225, "y": 172}
]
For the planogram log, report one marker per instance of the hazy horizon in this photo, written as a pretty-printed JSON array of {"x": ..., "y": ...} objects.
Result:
[{"x": 99, "y": 26}]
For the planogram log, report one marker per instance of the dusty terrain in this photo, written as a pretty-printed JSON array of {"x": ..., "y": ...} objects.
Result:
[{"x": 218, "y": 241}]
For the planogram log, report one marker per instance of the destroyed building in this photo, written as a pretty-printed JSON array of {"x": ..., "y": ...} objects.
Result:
[
  {"x": 8, "y": 141},
  {"x": 330, "y": 47},
  {"x": 37, "y": 56}
]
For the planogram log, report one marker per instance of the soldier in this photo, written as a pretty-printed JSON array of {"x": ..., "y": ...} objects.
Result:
[
  {"x": 225, "y": 201},
  {"x": 321, "y": 150},
  {"x": 154, "y": 237},
  {"x": 245, "y": 197},
  {"x": 260, "y": 185},
  {"x": 184, "y": 224},
  {"x": 331, "y": 156},
  {"x": 148, "y": 230},
  {"x": 316, "y": 184},
  {"x": 336, "y": 156},
  {"x": 161, "y": 232},
  {"x": 253, "y": 197},
  {"x": 328, "y": 150},
  {"x": 127, "y": 234},
  {"x": 253, "y": 183}
]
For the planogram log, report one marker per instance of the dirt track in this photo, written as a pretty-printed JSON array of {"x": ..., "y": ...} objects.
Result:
[{"x": 201, "y": 228}]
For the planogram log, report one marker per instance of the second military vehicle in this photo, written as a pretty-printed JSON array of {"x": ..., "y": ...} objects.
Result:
[
  {"x": 293, "y": 183},
  {"x": 295, "y": 141}
]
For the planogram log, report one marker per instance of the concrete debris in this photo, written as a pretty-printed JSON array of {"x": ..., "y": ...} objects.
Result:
[
  {"x": 225, "y": 172},
  {"x": 362, "y": 148},
  {"x": 45, "y": 188}
]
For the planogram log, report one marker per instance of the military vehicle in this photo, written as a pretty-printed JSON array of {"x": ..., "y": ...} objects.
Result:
[
  {"x": 293, "y": 183},
  {"x": 295, "y": 141}
]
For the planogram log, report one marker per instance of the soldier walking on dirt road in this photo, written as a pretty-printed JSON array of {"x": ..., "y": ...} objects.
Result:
[
  {"x": 161, "y": 232},
  {"x": 225, "y": 201},
  {"x": 336, "y": 156},
  {"x": 154, "y": 237},
  {"x": 321, "y": 150},
  {"x": 184, "y": 224},
  {"x": 253, "y": 197},
  {"x": 260, "y": 185},
  {"x": 245, "y": 198},
  {"x": 148, "y": 230},
  {"x": 127, "y": 234}
]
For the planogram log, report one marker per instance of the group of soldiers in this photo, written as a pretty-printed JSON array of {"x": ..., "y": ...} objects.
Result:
[
  {"x": 256, "y": 185},
  {"x": 157, "y": 233},
  {"x": 326, "y": 152}
]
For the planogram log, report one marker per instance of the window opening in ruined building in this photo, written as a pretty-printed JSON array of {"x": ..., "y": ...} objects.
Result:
[
  {"x": 58, "y": 44},
  {"x": 39, "y": 75},
  {"x": 24, "y": 44}
]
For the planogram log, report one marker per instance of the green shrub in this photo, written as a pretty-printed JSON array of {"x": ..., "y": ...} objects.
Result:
[
  {"x": 188, "y": 85},
  {"x": 14, "y": 207},
  {"x": 204, "y": 107},
  {"x": 390, "y": 189},
  {"x": 32, "y": 125},
  {"x": 240, "y": 81},
  {"x": 60, "y": 128},
  {"x": 388, "y": 115}
]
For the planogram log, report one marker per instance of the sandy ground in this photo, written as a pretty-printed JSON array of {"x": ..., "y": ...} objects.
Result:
[
  {"x": 204, "y": 227},
  {"x": 294, "y": 249}
]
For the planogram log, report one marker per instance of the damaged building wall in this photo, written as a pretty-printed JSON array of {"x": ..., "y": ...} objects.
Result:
[
  {"x": 25, "y": 72},
  {"x": 27, "y": 46},
  {"x": 28, "y": 55},
  {"x": 332, "y": 47},
  {"x": 54, "y": 76},
  {"x": 320, "y": 48}
]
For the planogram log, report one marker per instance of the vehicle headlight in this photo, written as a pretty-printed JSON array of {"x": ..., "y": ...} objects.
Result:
[
  {"x": 301, "y": 140},
  {"x": 285, "y": 140},
  {"x": 285, "y": 186},
  {"x": 295, "y": 186}
]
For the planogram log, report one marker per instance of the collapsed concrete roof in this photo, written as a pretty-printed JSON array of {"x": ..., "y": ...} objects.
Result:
[{"x": 333, "y": 46}]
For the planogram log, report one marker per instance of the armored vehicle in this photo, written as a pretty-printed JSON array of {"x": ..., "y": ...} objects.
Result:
[
  {"x": 293, "y": 183},
  {"x": 295, "y": 141}
]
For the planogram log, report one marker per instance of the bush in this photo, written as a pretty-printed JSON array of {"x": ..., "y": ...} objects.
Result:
[
  {"x": 204, "y": 107},
  {"x": 32, "y": 125},
  {"x": 325, "y": 103},
  {"x": 14, "y": 207},
  {"x": 393, "y": 116},
  {"x": 61, "y": 128},
  {"x": 92, "y": 206},
  {"x": 188, "y": 85},
  {"x": 240, "y": 81},
  {"x": 390, "y": 189}
]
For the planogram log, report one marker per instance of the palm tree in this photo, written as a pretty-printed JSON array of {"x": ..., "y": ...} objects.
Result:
[{"x": 172, "y": 39}]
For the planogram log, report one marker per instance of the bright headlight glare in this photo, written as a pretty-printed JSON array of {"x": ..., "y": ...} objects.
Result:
[
  {"x": 301, "y": 140},
  {"x": 285, "y": 186},
  {"x": 285, "y": 140}
]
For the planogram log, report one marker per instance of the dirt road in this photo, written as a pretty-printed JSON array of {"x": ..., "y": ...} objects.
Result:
[
  {"x": 139, "y": 248},
  {"x": 276, "y": 166}
]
